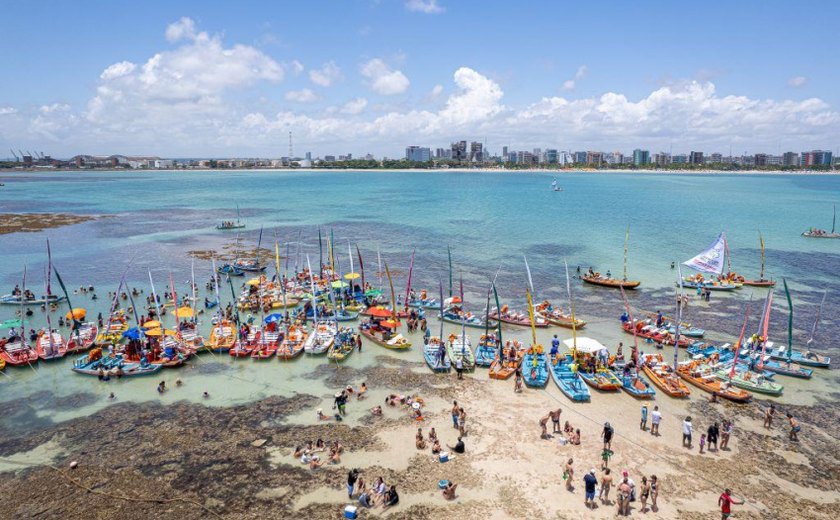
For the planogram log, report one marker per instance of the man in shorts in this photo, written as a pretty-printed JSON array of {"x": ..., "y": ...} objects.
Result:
[
  {"x": 725, "y": 502},
  {"x": 590, "y": 482}
]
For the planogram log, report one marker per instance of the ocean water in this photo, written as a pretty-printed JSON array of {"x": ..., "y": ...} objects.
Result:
[{"x": 490, "y": 220}]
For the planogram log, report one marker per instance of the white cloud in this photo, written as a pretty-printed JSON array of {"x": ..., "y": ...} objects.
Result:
[
  {"x": 4, "y": 111},
  {"x": 326, "y": 75},
  {"x": 301, "y": 96},
  {"x": 183, "y": 29},
  {"x": 55, "y": 107},
  {"x": 570, "y": 84},
  {"x": 797, "y": 81},
  {"x": 354, "y": 106},
  {"x": 297, "y": 67},
  {"x": 382, "y": 79},
  {"x": 424, "y": 6},
  {"x": 117, "y": 70},
  {"x": 436, "y": 91}
]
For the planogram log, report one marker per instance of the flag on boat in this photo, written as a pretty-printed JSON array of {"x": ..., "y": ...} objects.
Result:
[{"x": 711, "y": 259}]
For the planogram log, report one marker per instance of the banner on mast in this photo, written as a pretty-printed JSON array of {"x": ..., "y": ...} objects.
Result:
[{"x": 712, "y": 258}]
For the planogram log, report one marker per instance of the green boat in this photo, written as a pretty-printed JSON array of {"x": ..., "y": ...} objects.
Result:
[
  {"x": 460, "y": 347},
  {"x": 753, "y": 382}
]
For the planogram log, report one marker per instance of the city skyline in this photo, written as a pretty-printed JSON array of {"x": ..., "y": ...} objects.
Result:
[{"x": 376, "y": 76}]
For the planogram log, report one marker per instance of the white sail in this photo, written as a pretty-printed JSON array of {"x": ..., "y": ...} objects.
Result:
[{"x": 711, "y": 259}]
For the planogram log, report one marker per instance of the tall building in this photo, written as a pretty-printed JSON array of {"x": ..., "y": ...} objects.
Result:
[
  {"x": 418, "y": 154},
  {"x": 505, "y": 152},
  {"x": 679, "y": 159},
  {"x": 716, "y": 158},
  {"x": 594, "y": 158},
  {"x": 790, "y": 159},
  {"x": 662, "y": 159},
  {"x": 459, "y": 151},
  {"x": 551, "y": 156},
  {"x": 641, "y": 157},
  {"x": 579, "y": 157},
  {"x": 815, "y": 158},
  {"x": 696, "y": 157},
  {"x": 761, "y": 159},
  {"x": 476, "y": 152}
]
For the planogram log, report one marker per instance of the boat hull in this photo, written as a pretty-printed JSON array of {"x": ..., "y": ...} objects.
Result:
[{"x": 611, "y": 282}]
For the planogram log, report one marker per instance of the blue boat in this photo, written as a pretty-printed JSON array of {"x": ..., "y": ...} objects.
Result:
[
  {"x": 637, "y": 387},
  {"x": 431, "y": 353},
  {"x": 784, "y": 368},
  {"x": 487, "y": 350},
  {"x": 534, "y": 369},
  {"x": 807, "y": 358},
  {"x": 230, "y": 270},
  {"x": 428, "y": 303},
  {"x": 451, "y": 316},
  {"x": 568, "y": 381},
  {"x": 113, "y": 367}
]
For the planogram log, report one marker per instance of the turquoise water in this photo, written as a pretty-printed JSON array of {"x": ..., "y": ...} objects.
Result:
[{"x": 490, "y": 219}]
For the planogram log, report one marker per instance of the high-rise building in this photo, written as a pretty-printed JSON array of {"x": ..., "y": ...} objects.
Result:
[
  {"x": 790, "y": 159},
  {"x": 716, "y": 158},
  {"x": 505, "y": 152},
  {"x": 594, "y": 158},
  {"x": 440, "y": 153},
  {"x": 329, "y": 158},
  {"x": 815, "y": 158},
  {"x": 459, "y": 151},
  {"x": 476, "y": 152},
  {"x": 641, "y": 157},
  {"x": 679, "y": 159},
  {"x": 662, "y": 159},
  {"x": 579, "y": 157},
  {"x": 418, "y": 154},
  {"x": 551, "y": 156},
  {"x": 761, "y": 159},
  {"x": 696, "y": 157}
]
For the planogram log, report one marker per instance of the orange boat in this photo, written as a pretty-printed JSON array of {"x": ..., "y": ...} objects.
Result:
[
  {"x": 222, "y": 337},
  {"x": 555, "y": 316},
  {"x": 703, "y": 377},
  {"x": 50, "y": 345},
  {"x": 663, "y": 376},
  {"x": 292, "y": 345},
  {"x": 83, "y": 338},
  {"x": 614, "y": 283},
  {"x": 504, "y": 368}
]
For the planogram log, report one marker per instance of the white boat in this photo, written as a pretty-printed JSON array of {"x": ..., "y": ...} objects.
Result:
[{"x": 321, "y": 338}]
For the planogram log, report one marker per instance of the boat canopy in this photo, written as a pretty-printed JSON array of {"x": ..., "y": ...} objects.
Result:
[{"x": 584, "y": 345}]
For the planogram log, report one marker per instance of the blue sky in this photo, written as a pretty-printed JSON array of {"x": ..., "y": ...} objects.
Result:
[{"x": 225, "y": 79}]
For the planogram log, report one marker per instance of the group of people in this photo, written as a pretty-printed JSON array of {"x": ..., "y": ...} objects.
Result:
[
  {"x": 378, "y": 494},
  {"x": 795, "y": 428},
  {"x": 570, "y": 434},
  {"x": 309, "y": 454},
  {"x": 714, "y": 433},
  {"x": 648, "y": 490}
]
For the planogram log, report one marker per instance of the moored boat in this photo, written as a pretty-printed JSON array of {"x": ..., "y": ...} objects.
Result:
[
  {"x": 50, "y": 345},
  {"x": 556, "y": 316},
  {"x": 384, "y": 338},
  {"x": 434, "y": 353},
  {"x": 751, "y": 381},
  {"x": 16, "y": 352},
  {"x": 568, "y": 380},
  {"x": 459, "y": 347},
  {"x": 222, "y": 337},
  {"x": 614, "y": 283},
  {"x": 633, "y": 384},
  {"x": 535, "y": 367},
  {"x": 664, "y": 377},
  {"x": 343, "y": 346},
  {"x": 820, "y": 233},
  {"x": 487, "y": 350},
  {"x": 804, "y": 358},
  {"x": 292, "y": 344},
  {"x": 702, "y": 376},
  {"x": 506, "y": 366},
  {"x": 644, "y": 329},
  {"x": 82, "y": 338},
  {"x": 516, "y": 318},
  {"x": 321, "y": 337}
]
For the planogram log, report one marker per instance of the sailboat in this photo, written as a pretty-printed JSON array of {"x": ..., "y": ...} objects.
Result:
[
  {"x": 763, "y": 361},
  {"x": 608, "y": 281},
  {"x": 761, "y": 282},
  {"x": 251, "y": 264},
  {"x": 807, "y": 357},
  {"x": 563, "y": 370},
  {"x": 460, "y": 347},
  {"x": 555, "y": 187},
  {"x": 709, "y": 261},
  {"x": 232, "y": 224},
  {"x": 534, "y": 362},
  {"x": 820, "y": 233}
]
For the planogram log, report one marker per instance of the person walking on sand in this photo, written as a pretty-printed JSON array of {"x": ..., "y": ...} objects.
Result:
[
  {"x": 655, "y": 419},
  {"x": 725, "y": 433},
  {"x": 624, "y": 490},
  {"x": 569, "y": 474},
  {"x": 459, "y": 367},
  {"x": 606, "y": 485},
  {"x": 455, "y": 413},
  {"x": 712, "y": 436},
  {"x": 543, "y": 427},
  {"x": 644, "y": 494},
  {"x": 654, "y": 492},
  {"x": 590, "y": 481},
  {"x": 768, "y": 416},
  {"x": 794, "y": 428},
  {"x": 555, "y": 420},
  {"x": 725, "y": 502},
  {"x": 643, "y": 422},
  {"x": 687, "y": 430},
  {"x": 462, "y": 421},
  {"x": 607, "y": 435}
]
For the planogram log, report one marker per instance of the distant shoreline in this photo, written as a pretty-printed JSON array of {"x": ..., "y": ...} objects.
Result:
[{"x": 13, "y": 171}]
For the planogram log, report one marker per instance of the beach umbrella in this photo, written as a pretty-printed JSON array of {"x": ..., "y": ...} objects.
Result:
[
  {"x": 132, "y": 333},
  {"x": 273, "y": 318},
  {"x": 159, "y": 332},
  {"x": 373, "y": 293},
  {"x": 76, "y": 314},
  {"x": 352, "y": 276},
  {"x": 151, "y": 324},
  {"x": 338, "y": 284},
  {"x": 184, "y": 312},
  {"x": 390, "y": 324},
  {"x": 454, "y": 300},
  {"x": 8, "y": 324},
  {"x": 253, "y": 282},
  {"x": 379, "y": 312}
]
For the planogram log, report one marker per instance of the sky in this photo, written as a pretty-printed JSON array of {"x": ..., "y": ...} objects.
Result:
[{"x": 224, "y": 79}]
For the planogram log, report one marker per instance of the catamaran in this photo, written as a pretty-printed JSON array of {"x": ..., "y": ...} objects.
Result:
[{"x": 821, "y": 233}]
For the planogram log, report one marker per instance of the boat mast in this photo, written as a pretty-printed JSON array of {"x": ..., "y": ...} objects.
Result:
[
  {"x": 790, "y": 320},
  {"x": 768, "y": 306},
  {"x": 572, "y": 311},
  {"x": 680, "y": 295},
  {"x": 626, "y": 244},
  {"x": 408, "y": 282},
  {"x": 834, "y": 219},
  {"x": 817, "y": 319},
  {"x": 531, "y": 316},
  {"x": 314, "y": 300},
  {"x": 463, "y": 320},
  {"x": 49, "y": 294},
  {"x": 761, "y": 241},
  {"x": 740, "y": 341}
]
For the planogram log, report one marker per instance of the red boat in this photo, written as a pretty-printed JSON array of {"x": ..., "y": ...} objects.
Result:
[
  {"x": 266, "y": 344},
  {"x": 648, "y": 331},
  {"x": 17, "y": 353},
  {"x": 83, "y": 338},
  {"x": 50, "y": 345}
]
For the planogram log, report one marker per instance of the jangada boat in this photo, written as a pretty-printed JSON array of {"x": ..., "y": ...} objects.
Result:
[
  {"x": 292, "y": 344},
  {"x": 384, "y": 338},
  {"x": 819, "y": 233},
  {"x": 248, "y": 264},
  {"x": 266, "y": 345},
  {"x": 343, "y": 346},
  {"x": 50, "y": 345},
  {"x": 30, "y": 299},
  {"x": 83, "y": 338},
  {"x": 555, "y": 316},
  {"x": 567, "y": 380},
  {"x": 805, "y": 358},
  {"x": 456, "y": 315},
  {"x": 16, "y": 352},
  {"x": 113, "y": 331},
  {"x": 459, "y": 347},
  {"x": 222, "y": 336},
  {"x": 517, "y": 318},
  {"x": 321, "y": 338},
  {"x": 751, "y": 381},
  {"x": 244, "y": 347},
  {"x": 535, "y": 367},
  {"x": 503, "y": 368},
  {"x": 644, "y": 329},
  {"x": 487, "y": 350},
  {"x": 230, "y": 270},
  {"x": 434, "y": 353},
  {"x": 702, "y": 376},
  {"x": 113, "y": 367},
  {"x": 603, "y": 281},
  {"x": 664, "y": 377},
  {"x": 634, "y": 385},
  {"x": 586, "y": 353},
  {"x": 785, "y": 368}
]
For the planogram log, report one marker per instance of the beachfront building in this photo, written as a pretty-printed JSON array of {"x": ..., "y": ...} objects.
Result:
[
  {"x": 815, "y": 158},
  {"x": 476, "y": 152},
  {"x": 696, "y": 157},
  {"x": 641, "y": 157},
  {"x": 551, "y": 156},
  {"x": 579, "y": 157},
  {"x": 662, "y": 159},
  {"x": 679, "y": 159},
  {"x": 594, "y": 158},
  {"x": 790, "y": 159},
  {"x": 459, "y": 151},
  {"x": 418, "y": 154}
]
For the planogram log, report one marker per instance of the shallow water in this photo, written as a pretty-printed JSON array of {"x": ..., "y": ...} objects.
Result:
[{"x": 152, "y": 219}]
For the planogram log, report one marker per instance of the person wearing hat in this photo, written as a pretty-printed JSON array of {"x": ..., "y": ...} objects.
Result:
[
  {"x": 590, "y": 482},
  {"x": 607, "y": 435}
]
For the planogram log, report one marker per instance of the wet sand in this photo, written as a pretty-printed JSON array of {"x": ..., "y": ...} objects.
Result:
[
  {"x": 194, "y": 460},
  {"x": 32, "y": 222}
]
